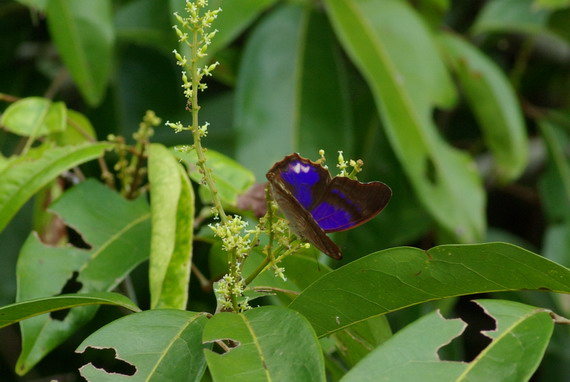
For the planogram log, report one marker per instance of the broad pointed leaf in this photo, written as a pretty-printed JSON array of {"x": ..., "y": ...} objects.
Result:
[
  {"x": 397, "y": 56},
  {"x": 117, "y": 232},
  {"x": 163, "y": 345},
  {"x": 518, "y": 344},
  {"x": 83, "y": 33},
  {"x": 291, "y": 90},
  {"x": 23, "y": 176},
  {"x": 34, "y": 117},
  {"x": 10, "y": 314},
  {"x": 405, "y": 276},
  {"x": 269, "y": 344}
]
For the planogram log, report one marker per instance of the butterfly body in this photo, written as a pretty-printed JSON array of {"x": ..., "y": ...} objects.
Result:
[{"x": 314, "y": 203}]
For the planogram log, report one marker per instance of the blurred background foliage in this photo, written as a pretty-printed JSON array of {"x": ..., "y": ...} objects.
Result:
[{"x": 462, "y": 107}]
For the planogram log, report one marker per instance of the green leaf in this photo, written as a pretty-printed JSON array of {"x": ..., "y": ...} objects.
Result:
[
  {"x": 166, "y": 345},
  {"x": 79, "y": 130},
  {"x": 517, "y": 346},
  {"x": 83, "y": 33},
  {"x": 494, "y": 103},
  {"x": 10, "y": 314},
  {"x": 301, "y": 271},
  {"x": 291, "y": 93},
  {"x": 407, "y": 276},
  {"x": 359, "y": 340},
  {"x": 117, "y": 233},
  {"x": 387, "y": 42},
  {"x": 146, "y": 22},
  {"x": 34, "y": 117},
  {"x": 551, "y": 4},
  {"x": 172, "y": 208},
  {"x": 554, "y": 141},
  {"x": 517, "y": 16},
  {"x": 232, "y": 179},
  {"x": 271, "y": 344},
  {"x": 25, "y": 175}
]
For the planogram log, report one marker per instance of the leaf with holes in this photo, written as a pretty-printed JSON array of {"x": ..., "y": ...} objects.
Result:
[
  {"x": 117, "y": 232},
  {"x": 263, "y": 344},
  {"x": 406, "y": 276},
  {"x": 387, "y": 41},
  {"x": 172, "y": 208},
  {"x": 163, "y": 345},
  {"x": 518, "y": 344}
]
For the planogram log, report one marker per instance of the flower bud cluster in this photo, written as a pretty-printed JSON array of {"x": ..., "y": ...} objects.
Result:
[{"x": 236, "y": 240}]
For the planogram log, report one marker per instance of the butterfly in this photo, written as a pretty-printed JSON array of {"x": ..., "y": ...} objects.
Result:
[{"x": 315, "y": 204}]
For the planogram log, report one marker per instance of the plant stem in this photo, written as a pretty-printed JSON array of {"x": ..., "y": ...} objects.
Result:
[{"x": 195, "y": 108}]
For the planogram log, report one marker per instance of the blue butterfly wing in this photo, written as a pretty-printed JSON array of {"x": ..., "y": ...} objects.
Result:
[
  {"x": 305, "y": 180},
  {"x": 347, "y": 203}
]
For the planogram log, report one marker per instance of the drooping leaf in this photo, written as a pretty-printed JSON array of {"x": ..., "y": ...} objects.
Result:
[
  {"x": 387, "y": 42},
  {"x": 172, "y": 208},
  {"x": 25, "y": 175},
  {"x": 34, "y": 117},
  {"x": 291, "y": 90},
  {"x": 117, "y": 232},
  {"x": 267, "y": 344},
  {"x": 83, "y": 33},
  {"x": 165, "y": 345},
  {"x": 232, "y": 179},
  {"x": 407, "y": 276},
  {"x": 494, "y": 104},
  {"x": 517, "y": 346},
  {"x": 10, "y": 314}
]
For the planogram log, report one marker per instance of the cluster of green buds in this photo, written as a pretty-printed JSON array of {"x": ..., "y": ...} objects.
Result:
[
  {"x": 130, "y": 171},
  {"x": 235, "y": 240},
  {"x": 343, "y": 165}
]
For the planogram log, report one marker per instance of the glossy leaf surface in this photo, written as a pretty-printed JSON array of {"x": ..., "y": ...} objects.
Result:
[
  {"x": 165, "y": 345},
  {"x": 268, "y": 344},
  {"x": 407, "y": 276},
  {"x": 517, "y": 346}
]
